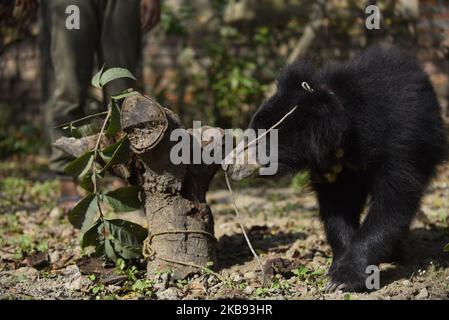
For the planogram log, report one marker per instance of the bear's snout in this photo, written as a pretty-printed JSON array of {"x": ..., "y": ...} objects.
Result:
[{"x": 242, "y": 162}]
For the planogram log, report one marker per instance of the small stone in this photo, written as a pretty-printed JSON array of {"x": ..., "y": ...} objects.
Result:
[
  {"x": 211, "y": 281},
  {"x": 249, "y": 290},
  {"x": 113, "y": 288},
  {"x": 293, "y": 252},
  {"x": 72, "y": 270},
  {"x": 213, "y": 290},
  {"x": 75, "y": 284},
  {"x": 75, "y": 280},
  {"x": 407, "y": 283},
  {"x": 67, "y": 232},
  {"x": 28, "y": 272},
  {"x": 168, "y": 294},
  {"x": 55, "y": 213},
  {"x": 423, "y": 294},
  {"x": 251, "y": 275},
  {"x": 54, "y": 257},
  {"x": 162, "y": 281},
  {"x": 235, "y": 277}
]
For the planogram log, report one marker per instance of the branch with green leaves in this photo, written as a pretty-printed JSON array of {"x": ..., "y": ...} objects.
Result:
[{"x": 112, "y": 238}]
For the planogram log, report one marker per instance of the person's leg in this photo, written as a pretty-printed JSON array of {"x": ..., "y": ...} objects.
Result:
[
  {"x": 72, "y": 53},
  {"x": 121, "y": 41}
]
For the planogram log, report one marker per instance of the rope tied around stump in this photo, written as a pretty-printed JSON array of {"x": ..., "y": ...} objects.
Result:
[{"x": 149, "y": 253}]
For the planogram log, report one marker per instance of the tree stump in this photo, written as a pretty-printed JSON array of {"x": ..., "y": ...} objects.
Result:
[{"x": 180, "y": 223}]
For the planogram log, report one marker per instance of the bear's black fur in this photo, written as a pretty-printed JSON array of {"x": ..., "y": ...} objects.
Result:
[{"x": 378, "y": 116}]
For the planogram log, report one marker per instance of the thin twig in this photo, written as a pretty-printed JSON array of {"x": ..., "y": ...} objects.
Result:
[
  {"x": 81, "y": 119},
  {"x": 95, "y": 151},
  {"x": 274, "y": 126},
  {"x": 242, "y": 227}
]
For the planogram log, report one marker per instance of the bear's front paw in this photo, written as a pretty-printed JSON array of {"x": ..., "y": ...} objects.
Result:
[{"x": 346, "y": 275}]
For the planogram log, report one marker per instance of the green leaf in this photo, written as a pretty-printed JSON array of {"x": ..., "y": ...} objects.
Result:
[
  {"x": 93, "y": 236},
  {"x": 89, "y": 128},
  {"x": 125, "y": 94},
  {"x": 124, "y": 199},
  {"x": 96, "y": 79},
  {"x": 115, "y": 239},
  {"x": 74, "y": 132},
  {"x": 82, "y": 216},
  {"x": 113, "y": 74},
  {"x": 446, "y": 248},
  {"x": 81, "y": 165},
  {"x": 116, "y": 153},
  {"x": 114, "y": 123},
  {"x": 87, "y": 183},
  {"x": 126, "y": 252},
  {"x": 126, "y": 238},
  {"x": 109, "y": 250}
]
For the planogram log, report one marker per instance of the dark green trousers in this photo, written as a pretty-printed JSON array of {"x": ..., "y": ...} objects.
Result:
[{"x": 110, "y": 34}]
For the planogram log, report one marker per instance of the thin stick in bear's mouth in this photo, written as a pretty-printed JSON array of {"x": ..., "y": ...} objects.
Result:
[{"x": 252, "y": 142}]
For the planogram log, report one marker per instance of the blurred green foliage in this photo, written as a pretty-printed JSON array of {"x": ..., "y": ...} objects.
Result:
[
  {"x": 223, "y": 77},
  {"x": 226, "y": 54},
  {"x": 18, "y": 193},
  {"x": 21, "y": 138}
]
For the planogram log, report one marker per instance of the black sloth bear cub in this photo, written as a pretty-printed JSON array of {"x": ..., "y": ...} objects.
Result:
[{"x": 369, "y": 128}]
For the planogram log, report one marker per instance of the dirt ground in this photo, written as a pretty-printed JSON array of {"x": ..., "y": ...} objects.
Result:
[{"x": 40, "y": 256}]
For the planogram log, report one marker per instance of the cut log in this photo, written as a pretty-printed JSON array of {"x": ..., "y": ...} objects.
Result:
[{"x": 181, "y": 226}]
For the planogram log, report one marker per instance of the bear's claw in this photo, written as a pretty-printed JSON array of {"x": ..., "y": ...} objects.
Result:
[{"x": 334, "y": 286}]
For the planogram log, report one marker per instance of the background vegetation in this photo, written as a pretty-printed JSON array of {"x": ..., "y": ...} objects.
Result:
[{"x": 217, "y": 60}]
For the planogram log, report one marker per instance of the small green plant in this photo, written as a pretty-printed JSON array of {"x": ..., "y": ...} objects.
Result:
[
  {"x": 20, "y": 138},
  {"x": 27, "y": 245},
  {"x": 98, "y": 288},
  {"x": 300, "y": 180},
  {"x": 113, "y": 238},
  {"x": 180, "y": 283},
  {"x": 260, "y": 292},
  {"x": 309, "y": 276},
  {"x": 279, "y": 283},
  {"x": 143, "y": 287}
]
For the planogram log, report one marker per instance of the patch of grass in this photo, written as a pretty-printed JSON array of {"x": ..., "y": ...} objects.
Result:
[
  {"x": 280, "y": 283},
  {"x": 310, "y": 277},
  {"x": 143, "y": 287},
  {"x": 9, "y": 223},
  {"x": 17, "y": 193},
  {"x": 260, "y": 292},
  {"x": 25, "y": 245},
  {"x": 136, "y": 284},
  {"x": 22, "y": 138}
]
